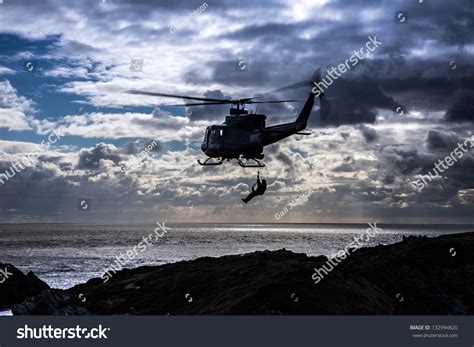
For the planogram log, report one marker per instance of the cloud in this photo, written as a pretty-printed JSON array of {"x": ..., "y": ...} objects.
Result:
[
  {"x": 14, "y": 109},
  {"x": 6, "y": 71},
  {"x": 160, "y": 125},
  {"x": 135, "y": 147},
  {"x": 92, "y": 158},
  {"x": 360, "y": 163},
  {"x": 210, "y": 112},
  {"x": 444, "y": 140},
  {"x": 369, "y": 133},
  {"x": 462, "y": 107}
]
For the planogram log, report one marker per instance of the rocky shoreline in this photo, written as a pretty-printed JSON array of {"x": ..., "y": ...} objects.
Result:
[{"x": 417, "y": 276}]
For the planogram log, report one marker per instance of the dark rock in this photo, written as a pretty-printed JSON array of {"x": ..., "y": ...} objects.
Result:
[
  {"x": 51, "y": 301},
  {"x": 419, "y": 275},
  {"x": 433, "y": 275},
  {"x": 16, "y": 286}
]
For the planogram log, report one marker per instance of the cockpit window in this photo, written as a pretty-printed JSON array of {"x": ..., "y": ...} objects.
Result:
[{"x": 216, "y": 135}]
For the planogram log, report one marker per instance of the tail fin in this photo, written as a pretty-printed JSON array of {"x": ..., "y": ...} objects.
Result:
[
  {"x": 303, "y": 117},
  {"x": 308, "y": 106}
]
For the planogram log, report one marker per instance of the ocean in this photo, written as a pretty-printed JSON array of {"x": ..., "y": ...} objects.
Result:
[{"x": 64, "y": 255}]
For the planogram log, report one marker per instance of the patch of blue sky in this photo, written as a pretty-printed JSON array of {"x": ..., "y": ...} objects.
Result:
[{"x": 45, "y": 91}]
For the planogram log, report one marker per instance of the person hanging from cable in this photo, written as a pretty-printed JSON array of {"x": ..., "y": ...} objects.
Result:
[{"x": 260, "y": 190}]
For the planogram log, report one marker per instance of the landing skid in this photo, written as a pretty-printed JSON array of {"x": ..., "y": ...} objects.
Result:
[
  {"x": 206, "y": 162},
  {"x": 257, "y": 163}
]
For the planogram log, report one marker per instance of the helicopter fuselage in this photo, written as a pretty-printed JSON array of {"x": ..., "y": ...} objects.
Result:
[
  {"x": 244, "y": 135},
  {"x": 239, "y": 136}
]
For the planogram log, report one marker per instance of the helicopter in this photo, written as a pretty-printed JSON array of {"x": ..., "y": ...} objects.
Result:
[{"x": 243, "y": 135}]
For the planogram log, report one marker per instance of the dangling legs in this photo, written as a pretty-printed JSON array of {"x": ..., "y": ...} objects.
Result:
[{"x": 250, "y": 197}]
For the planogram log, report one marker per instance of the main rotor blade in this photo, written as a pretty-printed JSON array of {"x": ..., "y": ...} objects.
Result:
[
  {"x": 248, "y": 102},
  {"x": 142, "y": 92},
  {"x": 274, "y": 101},
  {"x": 201, "y": 103}
]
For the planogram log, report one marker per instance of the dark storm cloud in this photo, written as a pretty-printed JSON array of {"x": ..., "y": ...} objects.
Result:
[
  {"x": 406, "y": 160},
  {"x": 358, "y": 102},
  {"x": 268, "y": 31},
  {"x": 229, "y": 72},
  {"x": 462, "y": 107},
  {"x": 427, "y": 83},
  {"x": 409, "y": 161},
  {"x": 91, "y": 158},
  {"x": 370, "y": 134},
  {"x": 210, "y": 111},
  {"x": 34, "y": 193},
  {"x": 441, "y": 140},
  {"x": 286, "y": 160},
  {"x": 47, "y": 158},
  {"x": 391, "y": 78},
  {"x": 48, "y": 191},
  {"x": 388, "y": 179},
  {"x": 405, "y": 78}
]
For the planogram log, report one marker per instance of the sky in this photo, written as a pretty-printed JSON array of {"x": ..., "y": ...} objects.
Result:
[{"x": 65, "y": 67}]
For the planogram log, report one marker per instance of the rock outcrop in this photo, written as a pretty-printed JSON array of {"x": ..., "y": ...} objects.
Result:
[
  {"x": 419, "y": 275},
  {"x": 15, "y": 286}
]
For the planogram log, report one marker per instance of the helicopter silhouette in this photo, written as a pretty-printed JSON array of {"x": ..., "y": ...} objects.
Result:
[{"x": 243, "y": 135}]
